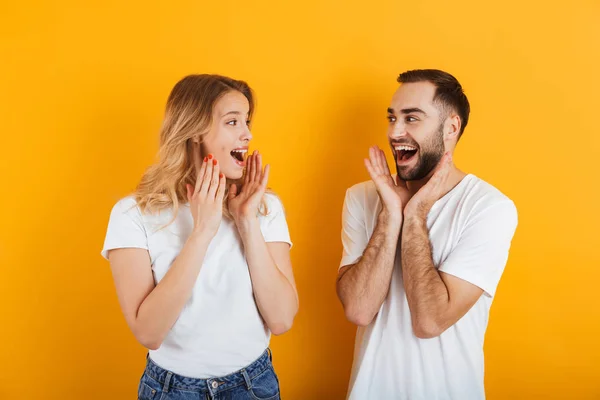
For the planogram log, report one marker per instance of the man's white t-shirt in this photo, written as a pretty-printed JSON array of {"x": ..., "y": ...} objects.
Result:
[
  {"x": 219, "y": 330},
  {"x": 470, "y": 230}
]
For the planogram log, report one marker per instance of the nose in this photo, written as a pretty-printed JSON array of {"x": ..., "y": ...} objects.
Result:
[
  {"x": 398, "y": 130},
  {"x": 246, "y": 135}
]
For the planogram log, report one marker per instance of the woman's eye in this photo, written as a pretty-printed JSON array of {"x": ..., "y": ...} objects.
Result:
[
  {"x": 248, "y": 122},
  {"x": 232, "y": 122}
]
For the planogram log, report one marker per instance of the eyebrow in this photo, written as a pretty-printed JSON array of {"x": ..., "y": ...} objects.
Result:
[
  {"x": 407, "y": 111},
  {"x": 231, "y": 113}
]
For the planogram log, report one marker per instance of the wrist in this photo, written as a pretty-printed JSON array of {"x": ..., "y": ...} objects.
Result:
[
  {"x": 199, "y": 236},
  {"x": 392, "y": 219},
  {"x": 246, "y": 223},
  {"x": 418, "y": 210}
]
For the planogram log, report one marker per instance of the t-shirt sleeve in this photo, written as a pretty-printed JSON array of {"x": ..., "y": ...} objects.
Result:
[
  {"x": 482, "y": 249},
  {"x": 125, "y": 228},
  {"x": 354, "y": 231},
  {"x": 274, "y": 226}
]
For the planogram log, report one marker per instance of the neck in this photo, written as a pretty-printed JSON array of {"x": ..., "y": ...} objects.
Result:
[{"x": 454, "y": 179}]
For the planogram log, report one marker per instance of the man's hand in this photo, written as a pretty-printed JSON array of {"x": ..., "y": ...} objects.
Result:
[
  {"x": 394, "y": 195},
  {"x": 420, "y": 204}
]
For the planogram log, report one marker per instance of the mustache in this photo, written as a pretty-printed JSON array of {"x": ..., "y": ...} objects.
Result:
[{"x": 395, "y": 143}]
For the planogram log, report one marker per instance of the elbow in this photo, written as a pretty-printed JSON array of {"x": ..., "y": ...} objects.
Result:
[
  {"x": 153, "y": 345},
  {"x": 358, "y": 317},
  {"x": 427, "y": 329},
  {"x": 281, "y": 327},
  {"x": 151, "y": 342}
]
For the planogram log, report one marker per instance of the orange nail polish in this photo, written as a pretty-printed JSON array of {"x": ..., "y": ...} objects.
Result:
[
  {"x": 205, "y": 159},
  {"x": 210, "y": 156},
  {"x": 221, "y": 175},
  {"x": 215, "y": 162}
]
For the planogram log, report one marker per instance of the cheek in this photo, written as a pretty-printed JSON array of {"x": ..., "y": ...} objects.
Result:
[{"x": 216, "y": 143}]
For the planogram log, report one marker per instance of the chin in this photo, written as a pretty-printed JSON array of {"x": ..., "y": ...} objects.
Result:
[{"x": 233, "y": 175}]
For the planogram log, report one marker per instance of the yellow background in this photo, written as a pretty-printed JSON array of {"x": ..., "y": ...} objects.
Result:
[{"x": 82, "y": 91}]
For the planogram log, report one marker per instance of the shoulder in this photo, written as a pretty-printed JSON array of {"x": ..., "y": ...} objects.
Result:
[
  {"x": 362, "y": 192},
  {"x": 482, "y": 197},
  {"x": 126, "y": 203},
  {"x": 273, "y": 203}
]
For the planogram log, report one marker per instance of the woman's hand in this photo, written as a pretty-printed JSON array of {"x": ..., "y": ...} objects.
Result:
[{"x": 206, "y": 198}]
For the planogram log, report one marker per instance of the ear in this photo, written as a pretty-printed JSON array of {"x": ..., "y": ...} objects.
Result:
[{"x": 452, "y": 127}]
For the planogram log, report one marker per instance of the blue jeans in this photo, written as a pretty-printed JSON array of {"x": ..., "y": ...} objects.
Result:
[{"x": 255, "y": 382}]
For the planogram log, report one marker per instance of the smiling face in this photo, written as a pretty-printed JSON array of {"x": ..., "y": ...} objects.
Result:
[
  {"x": 416, "y": 130},
  {"x": 229, "y": 134}
]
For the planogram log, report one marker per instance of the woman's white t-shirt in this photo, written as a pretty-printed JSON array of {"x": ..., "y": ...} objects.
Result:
[{"x": 219, "y": 330}]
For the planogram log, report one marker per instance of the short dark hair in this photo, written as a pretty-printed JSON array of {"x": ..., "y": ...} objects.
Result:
[{"x": 449, "y": 92}]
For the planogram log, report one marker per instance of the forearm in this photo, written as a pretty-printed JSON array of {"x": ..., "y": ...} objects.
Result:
[
  {"x": 161, "y": 308},
  {"x": 364, "y": 286},
  {"x": 426, "y": 292},
  {"x": 275, "y": 296}
]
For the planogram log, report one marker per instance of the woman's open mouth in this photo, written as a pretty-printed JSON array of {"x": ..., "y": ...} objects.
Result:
[{"x": 239, "y": 156}]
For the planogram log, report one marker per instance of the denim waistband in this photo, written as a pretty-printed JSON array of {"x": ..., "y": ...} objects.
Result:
[{"x": 171, "y": 380}]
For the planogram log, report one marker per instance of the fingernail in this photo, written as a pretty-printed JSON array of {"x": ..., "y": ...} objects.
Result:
[
  {"x": 221, "y": 175},
  {"x": 215, "y": 162},
  {"x": 205, "y": 159},
  {"x": 210, "y": 156}
]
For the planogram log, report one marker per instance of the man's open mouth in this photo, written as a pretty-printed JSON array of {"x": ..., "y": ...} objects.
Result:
[{"x": 404, "y": 153}]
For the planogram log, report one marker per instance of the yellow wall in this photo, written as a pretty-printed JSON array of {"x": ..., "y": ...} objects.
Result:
[{"x": 82, "y": 91}]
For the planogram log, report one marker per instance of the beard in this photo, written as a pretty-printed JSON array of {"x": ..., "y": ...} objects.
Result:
[{"x": 429, "y": 155}]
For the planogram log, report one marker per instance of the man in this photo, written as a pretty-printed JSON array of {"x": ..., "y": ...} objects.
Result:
[{"x": 423, "y": 253}]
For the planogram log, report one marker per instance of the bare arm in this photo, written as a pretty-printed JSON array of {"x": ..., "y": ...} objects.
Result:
[
  {"x": 269, "y": 263},
  {"x": 151, "y": 311},
  {"x": 272, "y": 278},
  {"x": 436, "y": 300},
  {"x": 362, "y": 287}
]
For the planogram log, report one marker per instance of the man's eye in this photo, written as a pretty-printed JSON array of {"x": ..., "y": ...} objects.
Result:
[
  {"x": 411, "y": 119},
  {"x": 391, "y": 118}
]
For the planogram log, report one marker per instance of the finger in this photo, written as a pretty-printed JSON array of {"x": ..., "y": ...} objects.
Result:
[
  {"x": 400, "y": 182},
  {"x": 214, "y": 181},
  {"x": 378, "y": 161},
  {"x": 442, "y": 170},
  {"x": 265, "y": 177},
  {"x": 252, "y": 176},
  {"x": 373, "y": 161},
  {"x": 248, "y": 168},
  {"x": 221, "y": 188},
  {"x": 232, "y": 191},
  {"x": 370, "y": 169},
  {"x": 259, "y": 170},
  {"x": 383, "y": 165},
  {"x": 445, "y": 163},
  {"x": 200, "y": 174},
  {"x": 207, "y": 176}
]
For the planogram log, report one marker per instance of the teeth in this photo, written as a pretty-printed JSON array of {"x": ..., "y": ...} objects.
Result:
[
  {"x": 406, "y": 148},
  {"x": 239, "y": 151}
]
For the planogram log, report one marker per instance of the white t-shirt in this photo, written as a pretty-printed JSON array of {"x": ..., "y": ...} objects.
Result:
[
  {"x": 219, "y": 330},
  {"x": 470, "y": 230}
]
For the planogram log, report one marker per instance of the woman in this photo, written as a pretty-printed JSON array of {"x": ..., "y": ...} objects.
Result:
[{"x": 200, "y": 252}]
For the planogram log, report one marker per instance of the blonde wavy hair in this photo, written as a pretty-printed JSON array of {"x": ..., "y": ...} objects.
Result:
[{"x": 188, "y": 116}]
